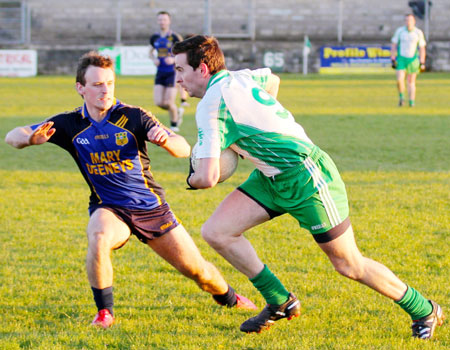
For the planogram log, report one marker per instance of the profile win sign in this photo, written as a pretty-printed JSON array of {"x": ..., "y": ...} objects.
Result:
[{"x": 355, "y": 59}]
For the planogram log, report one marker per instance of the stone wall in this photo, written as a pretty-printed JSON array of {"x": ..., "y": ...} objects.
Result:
[
  {"x": 61, "y": 30},
  {"x": 82, "y": 22},
  {"x": 439, "y": 56}
]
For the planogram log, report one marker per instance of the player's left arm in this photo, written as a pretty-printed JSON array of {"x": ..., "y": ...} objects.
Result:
[
  {"x": 273, "y": 85},
  {"x": 422, "y": 50},
  {"x": 422, "y": 55},
  {"x": 175, "y": 144},
  {"x": 207, "y": 173}
]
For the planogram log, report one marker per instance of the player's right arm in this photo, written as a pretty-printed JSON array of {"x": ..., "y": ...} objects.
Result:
[
  {"x": 153, "y": 56},
  {"x": 394, "y": 44},
  {"x": 393, "y": 51},
  {"x": 207, "y": 174},
  {"x": 152, "y": 53},
  {"x": 24, "y": 136}
]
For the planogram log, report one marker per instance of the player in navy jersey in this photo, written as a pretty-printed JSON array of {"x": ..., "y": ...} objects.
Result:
[
  {"x": 107, "y": 140},
  {"x": 165, "y": 90}
]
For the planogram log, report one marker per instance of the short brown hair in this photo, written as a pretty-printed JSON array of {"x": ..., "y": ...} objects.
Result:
[
  {"x": 163, "y": 13},
  {"x": 202, "y": 49},
  {"x": 92, "y": 58}
]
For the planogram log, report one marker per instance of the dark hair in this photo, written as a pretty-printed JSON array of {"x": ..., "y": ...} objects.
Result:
[
  {"x": 163, "y": 13},
  {"x": 202, "y": 49},
  {"x": 92, "y": 58}
]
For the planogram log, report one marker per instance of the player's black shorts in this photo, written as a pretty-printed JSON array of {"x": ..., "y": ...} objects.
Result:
[
  {"x": 144, "y": 224},
  {"x": 166, "y": 79}
]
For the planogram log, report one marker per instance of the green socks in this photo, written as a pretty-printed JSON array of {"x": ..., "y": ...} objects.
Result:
[
  {"x": 270, "y": 287},
  {"x": 415, "y": 304}
]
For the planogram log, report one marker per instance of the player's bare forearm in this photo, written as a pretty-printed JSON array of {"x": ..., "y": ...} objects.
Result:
[
  {"x": 18, "y": 137},
  {"x": 207, "y": 175},
  {"x": 175, "y": 144},
  {"x": 393, "y": 51},
  {"x": 24, "y": 136},
  {"x": 422, "y": 54},
  {"x": 152, "y": 56},
  {"x": 273, "y": 84}
]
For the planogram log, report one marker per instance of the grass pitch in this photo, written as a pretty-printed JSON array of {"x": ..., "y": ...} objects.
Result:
[{"x": 395, "y": 162}]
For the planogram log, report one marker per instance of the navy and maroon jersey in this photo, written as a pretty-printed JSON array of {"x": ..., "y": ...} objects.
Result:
[
  {"x": 163, "y": 45},
  {"x": 112, "y": 155}
]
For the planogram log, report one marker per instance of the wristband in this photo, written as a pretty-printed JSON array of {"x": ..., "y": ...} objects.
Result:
[
  {"x": 190, "y": 188},
  {"x": 191, "y": 171},
  {"x": 393, "y": 63}
]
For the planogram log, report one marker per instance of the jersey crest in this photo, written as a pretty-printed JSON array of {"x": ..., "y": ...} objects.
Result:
[{"x": 121, "y": 138}]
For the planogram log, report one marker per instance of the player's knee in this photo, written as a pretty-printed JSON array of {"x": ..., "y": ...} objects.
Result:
[
  {"x": 163, "y": 105},
  {"x": 350, "y": 268},
  {"x": 212, "y": 236},
  {"x": 171, "y": 106},
  {"x": 353, "y": 271},
  {"x": 99, "y": 241}
]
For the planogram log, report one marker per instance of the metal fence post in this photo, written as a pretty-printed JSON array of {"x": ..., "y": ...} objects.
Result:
[{"x": 207, "y": 20}]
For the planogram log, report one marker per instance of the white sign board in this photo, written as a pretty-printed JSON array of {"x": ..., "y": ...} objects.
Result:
[
  {"x": 135, "y": 61},
  {"x": 18, "y": 63},
  {"x": 130, "y": 60}
]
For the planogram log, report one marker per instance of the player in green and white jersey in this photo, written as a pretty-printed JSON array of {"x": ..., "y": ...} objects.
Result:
[
  {"x": 408, "y": 55},
  {"x": 239, "y": 110}
]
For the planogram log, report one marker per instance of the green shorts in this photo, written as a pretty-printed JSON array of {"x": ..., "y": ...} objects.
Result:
[
  {"x": 312, "y": 192},
  {"x": 411, "y": 65}
]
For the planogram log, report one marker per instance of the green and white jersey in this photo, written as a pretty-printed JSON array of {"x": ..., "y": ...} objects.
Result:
[
  {"x": 237, "y": 112},
  {"x": 408, "y": 41}
]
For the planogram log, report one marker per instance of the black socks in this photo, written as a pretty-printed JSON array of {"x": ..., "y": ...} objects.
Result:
[
  {"x": 104, "y": 298},
  {"x": 229, "y": 298}
]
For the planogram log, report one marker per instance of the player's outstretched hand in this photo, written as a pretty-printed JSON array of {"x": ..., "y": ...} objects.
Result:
[
  {"x": 42, "y": 134},
  {"x": 157, "y": 135},
  {"x": 169, "y": 60}
]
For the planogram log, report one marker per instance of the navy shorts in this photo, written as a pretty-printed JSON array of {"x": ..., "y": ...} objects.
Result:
[
  {"x": 144, "y": 224},
  {"x": 166, "y": 79}
]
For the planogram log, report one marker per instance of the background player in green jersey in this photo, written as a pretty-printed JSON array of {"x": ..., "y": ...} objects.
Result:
[
  {"x": 107, "y": 139},
  {"x": 239, "y": 110},
  {"x": 408, "y": 54}
]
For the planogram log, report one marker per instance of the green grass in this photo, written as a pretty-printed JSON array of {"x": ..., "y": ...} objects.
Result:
[{"x": 395, "y": 162}]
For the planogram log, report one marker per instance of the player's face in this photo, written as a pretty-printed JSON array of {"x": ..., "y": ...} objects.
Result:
[
  {"x": 98, "y": 91},
  {"x": 193, "y": 81},
  {"x": 410, "y": 22},
  {"x": 163, "y": 22}
]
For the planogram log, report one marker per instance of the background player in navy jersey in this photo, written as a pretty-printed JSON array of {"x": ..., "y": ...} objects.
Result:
[
  {"x": 107, "y": 139},
  {"x": 165, "y": 90}
]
